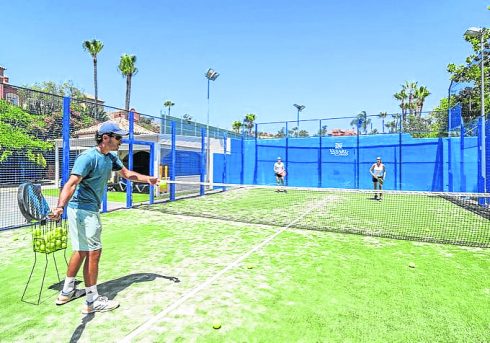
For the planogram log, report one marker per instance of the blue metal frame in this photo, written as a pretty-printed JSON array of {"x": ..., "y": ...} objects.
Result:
[
  {"x": 173, "y": 158},
  {"x": 203, "y": 160},
  {"x": 129, "y": 184},
  {"x": 65, "y": 174},
  {"x": 256, "y": 155},
  {"x": 320, "y": 156},
  {"x": 287, "y": 153}
]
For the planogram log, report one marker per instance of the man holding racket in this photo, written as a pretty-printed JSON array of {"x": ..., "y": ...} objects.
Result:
[
  {"x": 280, "y": 172},
  {"x": 378, "y": 172},
  {"x": 82, "y": 197}
]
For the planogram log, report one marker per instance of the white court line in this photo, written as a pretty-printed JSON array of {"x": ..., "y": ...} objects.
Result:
[{"x": 191, "y": 293}]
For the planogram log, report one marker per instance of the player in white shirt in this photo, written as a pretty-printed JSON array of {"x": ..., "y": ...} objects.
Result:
[
  {"x": 280, "y": 172},
  {"x": 378, "y": 172}
]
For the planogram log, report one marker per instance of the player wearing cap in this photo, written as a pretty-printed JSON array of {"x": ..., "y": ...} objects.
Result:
[
  {"x": 378, "y": 172},
  {"x": 279, "y": 172},
  {"x": 82, "y": 197}
]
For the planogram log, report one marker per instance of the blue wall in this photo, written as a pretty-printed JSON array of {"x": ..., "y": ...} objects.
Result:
[{"x": 412, "y": 163}]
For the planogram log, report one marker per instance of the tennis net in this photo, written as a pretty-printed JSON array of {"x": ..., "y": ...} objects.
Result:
[{"x": 451, "y": 218}]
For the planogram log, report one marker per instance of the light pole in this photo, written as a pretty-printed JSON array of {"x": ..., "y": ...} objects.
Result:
[
  {"x": 480, "y": 32},
  {"x": 300, "y": 108},
  {"x": 211, "y": 75}
]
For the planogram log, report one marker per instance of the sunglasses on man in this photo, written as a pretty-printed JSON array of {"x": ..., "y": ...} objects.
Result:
[{"x": 117, "y": 137}]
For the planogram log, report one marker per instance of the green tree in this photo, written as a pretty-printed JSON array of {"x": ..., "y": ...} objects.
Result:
[
  {"x": 168, "y": 104},
  {"x": 17, "y": 129},
  {"x": 293, "y": 132},
  {"x": 94, "y": 47},
  {"x": 402, "y": 97},
  {"x": 383, "y": 116},
  {"x": 44, "y": 99},
  {"x": 470, "y": 73},
  {"x": 421, "y": 93},
  {"x": 323, "y": 131},
  {"x": 365, "y": 121},
  {"x": 303, "y": 133},
  {"x": 249, "y": 122},
  {"x": 127, "y": 67},
  {"x": 236, "y": 126},
  {"x": 281, "y": 133}
]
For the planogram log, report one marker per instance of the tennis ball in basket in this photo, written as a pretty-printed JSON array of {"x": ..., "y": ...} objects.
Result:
[
  {"x": 216, "y": 324},
  {"x": 411, "y": 265}
]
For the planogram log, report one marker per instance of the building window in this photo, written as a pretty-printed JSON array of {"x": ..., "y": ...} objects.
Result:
[{"x": 12, "y": 98}]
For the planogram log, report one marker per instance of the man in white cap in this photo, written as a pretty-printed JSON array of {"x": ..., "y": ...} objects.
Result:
[
  {"x": 280, "y": 172},
  {"x": 82, "y": 197}
]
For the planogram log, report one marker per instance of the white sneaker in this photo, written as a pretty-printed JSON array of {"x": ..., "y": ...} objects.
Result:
[
  {"x": 101, "y": 304},
  {"x": 75, "y": 293}
]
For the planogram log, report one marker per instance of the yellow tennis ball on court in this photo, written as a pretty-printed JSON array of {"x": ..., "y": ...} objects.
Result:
[
  {"x": 216, "y": 324},
  {"x": 411, "y": 265},
  {"x": 250, "y": 266}
]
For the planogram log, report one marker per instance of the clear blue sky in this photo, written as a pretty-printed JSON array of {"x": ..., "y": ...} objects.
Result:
[{"x": 335, "y": 57}]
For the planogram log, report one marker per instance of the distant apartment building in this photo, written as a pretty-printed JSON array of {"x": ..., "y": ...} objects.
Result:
[{"x": 7, "y": 92}]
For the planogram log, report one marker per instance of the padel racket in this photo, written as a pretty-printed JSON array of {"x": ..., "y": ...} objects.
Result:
[
  {"x": 381, "y": 180},
  {"x": 283, "y": 174},
  {"x": 32, "y": 203}
]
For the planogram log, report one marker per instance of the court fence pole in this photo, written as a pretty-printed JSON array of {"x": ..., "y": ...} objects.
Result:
[
  {"x": 203, "y": 160},
  {"x": 320, "y": 156},
  {"x": 287, "y": 154},
  {"x": 173, "y": 157},
  {"x": 129, "y": 184},
  {"x": 225, "y": 157},
  {"x": 66, "y": 144}
]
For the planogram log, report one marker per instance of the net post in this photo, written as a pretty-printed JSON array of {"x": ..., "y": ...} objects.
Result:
[{"x": 173, "y": 155}]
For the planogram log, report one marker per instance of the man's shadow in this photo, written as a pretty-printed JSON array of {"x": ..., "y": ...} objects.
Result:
[{"x": 111, "y": 289}]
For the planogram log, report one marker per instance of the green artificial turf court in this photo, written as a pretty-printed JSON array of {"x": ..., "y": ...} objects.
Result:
[{"x": 303, "y": 285}]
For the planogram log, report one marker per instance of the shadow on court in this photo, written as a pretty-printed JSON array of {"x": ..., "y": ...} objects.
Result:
[{"x": 110, "y": 289}]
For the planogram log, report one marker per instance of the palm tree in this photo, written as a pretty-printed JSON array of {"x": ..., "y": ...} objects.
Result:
[
  {"x": 383, "y": 115},
  {"x": 128, "y": 69},
  {"x": 362, "y": 119},
  {"x": 323, "y": 131},
  {"x": 402, "y": 97},
  {"x": 236, "y": 126},
  {"x": 168, "y": 104},
  {"x": 410, "y": 87},
  {"x": 420, "y": 94},
  {"x": 249, "y": 120},
  {"x": 94, "y": 47}
]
